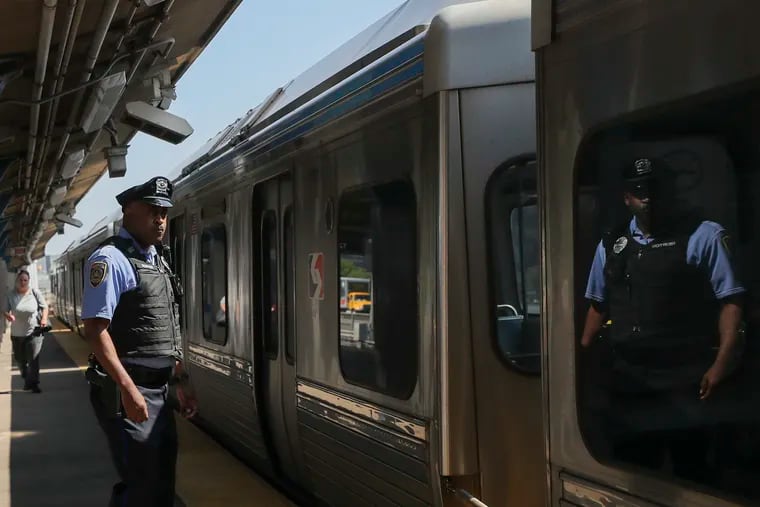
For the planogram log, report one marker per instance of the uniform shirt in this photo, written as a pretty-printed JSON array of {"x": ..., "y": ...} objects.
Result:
[
  {"x": 100, "y": 301},
  {"x": 706, "y": 249},
  {"x": 26, "y": 310}
]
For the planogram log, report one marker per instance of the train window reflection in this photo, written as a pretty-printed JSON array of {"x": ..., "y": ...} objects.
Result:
[
  {"x": 514, "y": 245},
  {"x": 377, "y": 242},
  {"x": 668, "y": 360},
  {"x": 214, "y": 282}
]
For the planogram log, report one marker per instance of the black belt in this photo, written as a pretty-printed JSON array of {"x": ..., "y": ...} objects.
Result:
[{"x": 148, "y": 377}]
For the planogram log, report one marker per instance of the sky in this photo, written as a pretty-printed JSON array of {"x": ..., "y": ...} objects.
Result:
[{"x": 265, "y": 44}]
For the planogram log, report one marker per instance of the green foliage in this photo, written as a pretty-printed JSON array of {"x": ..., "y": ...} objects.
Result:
[{"x": 350, "y": 269}]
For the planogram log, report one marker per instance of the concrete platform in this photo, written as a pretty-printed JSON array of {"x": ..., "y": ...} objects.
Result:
[{"x": 52, "y": 452}]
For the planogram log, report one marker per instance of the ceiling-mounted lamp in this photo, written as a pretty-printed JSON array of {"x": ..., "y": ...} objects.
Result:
[
  {"x": 156, "y": 122},
  {"x": 116, "y": 156},
  {"x": 58, "y": 195},
  {"x": 102, "y": 102},
  {"x": 72, "y": 163},
  {"x": 151, "y": 3},
  {"x": 67, "y": 219}
]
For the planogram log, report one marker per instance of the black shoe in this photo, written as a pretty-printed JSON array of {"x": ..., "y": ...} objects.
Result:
[
  {"x": 28, "y": 388},
  {"x": 36, "y": 389}
]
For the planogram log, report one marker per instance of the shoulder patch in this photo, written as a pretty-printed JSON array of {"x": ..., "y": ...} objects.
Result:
[
  {"x": 98, "y": 273},
  {"x": 620, "y": 244}
]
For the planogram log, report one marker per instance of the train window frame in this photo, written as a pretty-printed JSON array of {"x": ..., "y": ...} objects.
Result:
[
  {"x": 412, "y": 380},
  {"x": 724, "y": 121},
  {"x": 493, "y": 253},
  {"x": 177, "y": 245},
  {"x": 289, "y": 283},
  {"x": 269, "y": 283},
  {"x": 209, "y": 224}
]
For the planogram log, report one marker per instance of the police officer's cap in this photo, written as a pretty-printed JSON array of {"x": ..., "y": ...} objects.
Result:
[
  {"x": 639, "y": 175},
  {"x": 157, "y": 191}
]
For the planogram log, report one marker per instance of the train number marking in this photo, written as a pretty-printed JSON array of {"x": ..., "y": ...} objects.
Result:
[{"x": 317, "y": 276}]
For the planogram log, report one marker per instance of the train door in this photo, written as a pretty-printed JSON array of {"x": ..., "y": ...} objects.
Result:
[
  {"x": 78, "y": 290},
  {"x": 275, "y": 317},
  {"x": 501, "y": 202}
]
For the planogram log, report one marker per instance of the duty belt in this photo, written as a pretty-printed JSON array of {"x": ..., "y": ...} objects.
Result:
[{"x": 148, "y": 377}]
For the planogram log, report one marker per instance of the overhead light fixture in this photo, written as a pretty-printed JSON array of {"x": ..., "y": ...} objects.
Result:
[
  {"x": 102, "y": 102},
  {"x": 157, "y": 123},
  {"x": 48, "y": 213},
  {"x": 116, "y": 156},
  {"x": 151, "y": 3},
  {"x": 72, "y": 164},
  {"x": 66, "y": 219},
  {"x": 58, "y": 195}
]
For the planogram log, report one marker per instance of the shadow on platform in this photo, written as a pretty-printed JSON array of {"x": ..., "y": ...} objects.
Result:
[{"x": 58, "y": 455}]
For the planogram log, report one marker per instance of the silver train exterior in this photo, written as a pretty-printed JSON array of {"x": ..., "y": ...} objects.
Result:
[
  {"x": 619, "y": 80},
  {"x": 407, "y": 158}
]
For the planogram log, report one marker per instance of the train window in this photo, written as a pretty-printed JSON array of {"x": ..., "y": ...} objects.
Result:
[
  {"x": 288, "y": 233},
  {"x": 514, "y": 252},
  {"x": 214, "y": 282},
  {"x": 666, "y": 309},
  {"x": 269, "y": 286},
  {"x": 377, "y": 243}
]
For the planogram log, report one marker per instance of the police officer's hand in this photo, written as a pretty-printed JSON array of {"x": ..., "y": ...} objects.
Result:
[
  {"x": 712, "y": 378},
  {"x": 134, "y": 404}
]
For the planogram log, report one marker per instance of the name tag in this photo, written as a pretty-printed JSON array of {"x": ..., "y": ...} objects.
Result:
[{"x": 663, "y": 245}]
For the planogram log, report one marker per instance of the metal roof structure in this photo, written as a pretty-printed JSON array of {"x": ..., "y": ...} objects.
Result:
[{"x": 68, "y": 70}]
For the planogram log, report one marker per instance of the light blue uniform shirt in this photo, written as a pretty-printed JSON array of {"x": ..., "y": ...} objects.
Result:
[
  {"x": 705, "y": 249},
  {"x": 120, "y": 277}
]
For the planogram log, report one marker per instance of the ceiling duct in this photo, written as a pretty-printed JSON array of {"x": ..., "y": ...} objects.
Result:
[
  {"x": 58, "y": 195},
  {"x": 72, "y": 163},
  {"x": 102, "y": 102}
]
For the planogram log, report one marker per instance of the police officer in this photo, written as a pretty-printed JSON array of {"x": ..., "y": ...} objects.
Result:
[
  {"x": 669, "y": 288},
  {"x": 131, "y": 322}
]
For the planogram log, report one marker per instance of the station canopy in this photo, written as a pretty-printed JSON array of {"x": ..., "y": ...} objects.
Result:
[{"x": 78, "y": 79}]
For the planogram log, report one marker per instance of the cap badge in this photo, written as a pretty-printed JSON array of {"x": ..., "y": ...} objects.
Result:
[
  {"x": 162, "y": 186},
  {"x": 643, "y": 166}
]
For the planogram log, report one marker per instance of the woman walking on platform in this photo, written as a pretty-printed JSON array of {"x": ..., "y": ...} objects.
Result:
[{"x": 27, "y": 312}]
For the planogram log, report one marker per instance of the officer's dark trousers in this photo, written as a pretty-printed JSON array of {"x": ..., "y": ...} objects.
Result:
[{"x": 145, "y": 454}]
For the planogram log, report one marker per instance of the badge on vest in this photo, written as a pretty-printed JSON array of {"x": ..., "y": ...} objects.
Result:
[
  {"x": 620, "y": 244},
  {"x": 98, "y": 273}
]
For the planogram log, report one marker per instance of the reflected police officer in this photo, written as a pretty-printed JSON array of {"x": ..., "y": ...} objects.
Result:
[
  {"x": 130, "y": 312},
  {"x": 668, "y": 286}
]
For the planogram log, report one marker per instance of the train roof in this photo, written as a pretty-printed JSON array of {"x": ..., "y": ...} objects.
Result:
[
  {"x": 465, "y": 33},
  {"x": 96, "y": 233}
]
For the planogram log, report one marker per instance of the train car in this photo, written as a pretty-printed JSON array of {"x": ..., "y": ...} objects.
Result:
[
  {"x": 406, "y": 158},
  {"x": 676, "y": 82}
]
